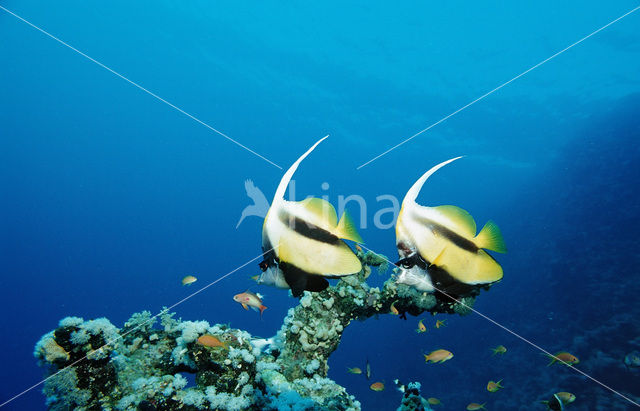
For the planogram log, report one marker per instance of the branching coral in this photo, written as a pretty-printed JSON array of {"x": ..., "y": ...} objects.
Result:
[{"x": 142, "y": 367}]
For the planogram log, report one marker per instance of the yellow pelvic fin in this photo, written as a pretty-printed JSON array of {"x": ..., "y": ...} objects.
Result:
[
  {"x": 439, "y": 259},
  {"x": 490, "y": 238},
  {"x": 460, "y": 218},
  {"x": 321, "y": 209},
  {"x": 245, "y": 306},
  {"x": 347, "y": 229}
]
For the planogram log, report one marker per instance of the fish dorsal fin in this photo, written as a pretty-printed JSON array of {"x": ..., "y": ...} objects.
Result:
[
  {"x": 460, "y": 218},
  {"x": 322, "y": 210},
  {"x": 347, "y": 229},
  {"x": 413, "y": 192},
  {"x": 490, "y": 238},
  {"x": 284, "y": 182}
]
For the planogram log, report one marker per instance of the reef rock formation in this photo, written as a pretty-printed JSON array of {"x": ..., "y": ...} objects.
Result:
[{"x": 94, "y": 365}]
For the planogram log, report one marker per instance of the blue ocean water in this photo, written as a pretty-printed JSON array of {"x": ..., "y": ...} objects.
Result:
[{"x": 110, "y": 197}]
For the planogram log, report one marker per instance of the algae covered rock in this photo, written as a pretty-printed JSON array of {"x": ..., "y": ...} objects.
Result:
[{"x": 94, "y": 365}]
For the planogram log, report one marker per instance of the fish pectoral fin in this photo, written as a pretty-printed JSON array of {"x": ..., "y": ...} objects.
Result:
[
  {"x": 438, "y": 260},
  {"x": 347, "y": 229},
  {"x": 491, "y": 238}
]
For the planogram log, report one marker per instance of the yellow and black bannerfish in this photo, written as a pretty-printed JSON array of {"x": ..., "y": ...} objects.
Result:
[
  {"x": 439, "y": 245},
  {"x": 303, "y": 242}
]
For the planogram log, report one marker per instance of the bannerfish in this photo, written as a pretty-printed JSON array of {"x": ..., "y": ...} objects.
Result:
[
  {"x": 302, "y": 241},
  {"x": 248, "y": 299},
  {"x": 189, "y": 279},
  {"x": 438, "y": 246}
]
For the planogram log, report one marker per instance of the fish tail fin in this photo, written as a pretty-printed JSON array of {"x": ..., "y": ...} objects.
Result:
[
  {"x": 552, "y": 358},
  {"x": 284, "y": 182},
  {"x": 491, "y": 238},
  {"x": 347, "y": 229},
  {"x": 262, "y": 308},
  {"x": 413, "y": 192}
]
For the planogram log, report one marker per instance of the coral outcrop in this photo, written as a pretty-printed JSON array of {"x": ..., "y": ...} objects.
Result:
[{"x": 94, "y": 365}]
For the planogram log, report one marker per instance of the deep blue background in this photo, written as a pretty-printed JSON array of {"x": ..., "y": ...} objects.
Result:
[{"x": 109, "y": 197}]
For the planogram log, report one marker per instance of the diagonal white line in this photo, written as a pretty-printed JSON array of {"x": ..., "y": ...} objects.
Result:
[
  {"x": 140, "y": 87},
  {"x": 518, "y": 336},
  {"x": 497, "y": 88},
  {"x": 121, "y": 336}
]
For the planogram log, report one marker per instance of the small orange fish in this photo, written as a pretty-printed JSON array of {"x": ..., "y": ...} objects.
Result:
[
  {"x": 563, "y": 357},
  {"x": 421, "y": 327},
  {"x": 494, "y": 386},
  {"x": 377, "y": 386},
  {"x": 475, "y": 406},
  {"x": 566, "y": 397},
  {"x": 433, "y": 401},
  {"x": 189, "y": 279},
  {"x": 440, "y": 323},
  {"x": 248, "y": 299},
  {"x": 354, "y": 370},
  {"x": 211, "y": 341},
  {"x": 499, "y": 350},
  {"x": 393, "y": 310},
  {"x": 358, "y": 248},
  {"x": 559, "y": 400},
  {"x": 438, "y": 356}
]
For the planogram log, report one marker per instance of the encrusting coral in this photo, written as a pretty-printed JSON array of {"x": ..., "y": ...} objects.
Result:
[{"x": 94, "y": 365}]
